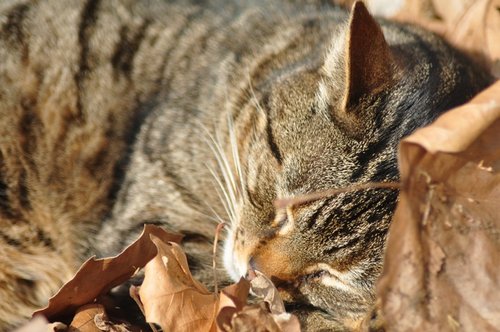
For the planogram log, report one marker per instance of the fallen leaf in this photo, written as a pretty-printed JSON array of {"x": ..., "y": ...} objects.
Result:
[
  {"x": 256, "y": 318},
  {"x": 472, "y": 25},
  {"x": 441, "y": 265},
  {"x": 97, "y": 276},
  {"x": 84, "y": 320},
  {"x": 268, "y": 314},
  {"x": 476, "y": 28},
  {"x": 171, "y": 297},
  {"x": 264, "y": 288},
  {"x": 232, "y": 299}
]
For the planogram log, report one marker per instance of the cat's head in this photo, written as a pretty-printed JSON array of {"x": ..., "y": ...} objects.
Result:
[{"x": 319, "y": 128}]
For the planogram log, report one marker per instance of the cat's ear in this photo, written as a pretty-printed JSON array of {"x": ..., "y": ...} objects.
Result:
[
  {"x": 363, "y": 59},
  {"x": 368, "y": 57}
]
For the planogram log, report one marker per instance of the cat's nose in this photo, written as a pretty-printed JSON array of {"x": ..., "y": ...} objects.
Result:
[
  {"x": 251, "y": 267},
  {"x": 252, "y": 264}
]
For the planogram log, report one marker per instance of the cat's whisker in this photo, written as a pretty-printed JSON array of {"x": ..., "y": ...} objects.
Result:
[
  {"x": 215, "y": 217},
  {"x": 223, "y": 195},
  {"x": 227, "y": 172},
  {"x": 227, "y": 186},
  {"x": 236, "y": 155},
  {"x": 253, "y": 96}
]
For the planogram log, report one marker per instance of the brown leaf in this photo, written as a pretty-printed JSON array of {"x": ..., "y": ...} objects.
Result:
[
  {"x": 232, "y": 299},
  {"x": 171, "y": 297},
  {"x": 473, "y": 25},
  {"x": 84, "y": 320},
  {"x": 256, "y": 318},
  {"x": 262, "y": 287},
  {"x": 98, "y": 276},
  {"x": 441, "y": 266},
  {"x": 266, "y": 315}
]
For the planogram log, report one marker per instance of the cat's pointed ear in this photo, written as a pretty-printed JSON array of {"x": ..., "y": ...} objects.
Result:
[{"x": 368, "y": 59}]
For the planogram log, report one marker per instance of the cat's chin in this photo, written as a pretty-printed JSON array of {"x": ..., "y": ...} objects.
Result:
[{"x": 235, "y": 266}]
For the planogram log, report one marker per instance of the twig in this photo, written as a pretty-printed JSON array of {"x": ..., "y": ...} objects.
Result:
[
  {"x": 219, "y": 228},
  {"x": 307, "y": 198}
]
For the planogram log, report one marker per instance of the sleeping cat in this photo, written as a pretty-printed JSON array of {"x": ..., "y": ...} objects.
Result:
[{"x": 188, "y": 113}]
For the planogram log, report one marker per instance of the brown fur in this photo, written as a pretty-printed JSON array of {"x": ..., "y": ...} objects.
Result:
[{"x": 118, "y": 113}]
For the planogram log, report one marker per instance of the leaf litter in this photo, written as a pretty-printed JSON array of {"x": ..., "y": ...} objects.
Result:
[
  {"x": 441, "y": 264},
  {"x": 169, "y": 296}
]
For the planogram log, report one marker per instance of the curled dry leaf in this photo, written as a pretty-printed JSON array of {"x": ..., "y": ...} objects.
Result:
[
  {"x": 232, "y": 299},
  {"x": 256, "y": 318},
  {"x": 264, "y": 288},
  {"x": 97, "y": 276},
  {"x": 268, "y": 315},
  {"x": 473, "y": 25},
  {"x": 93, "y": 318},
  {"x": 84, "y": 320},
  {"x": 441, "y": 266},
  {"x": 171, "y": 297}
]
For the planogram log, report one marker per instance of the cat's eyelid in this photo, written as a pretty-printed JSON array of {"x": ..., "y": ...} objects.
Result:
[
  {"x": 280, "y": 218},
  {"x": 284, "y": 221},
  {"x": 330, "y": 277}
]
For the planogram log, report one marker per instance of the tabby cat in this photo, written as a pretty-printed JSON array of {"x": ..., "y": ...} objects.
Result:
[{"x": 187, "y": 113}]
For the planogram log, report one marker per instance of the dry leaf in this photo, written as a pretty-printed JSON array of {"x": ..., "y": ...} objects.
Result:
[
  {"x": 171, "y": 297},
  {"x": 256, "y": 318},
  {"x": 98, "y": 276},
  {"x": 476, "y": 28},
  {"x": 84, "y": 320},
  {"x": 264, "y": 288},
  {"x": 473, "y": 25},
  {"x": 441, "y": 266},
  {"x": 268, "y": 315},
  {"x": 93, "y": 318},
  {"x": 232, "y": 299}
]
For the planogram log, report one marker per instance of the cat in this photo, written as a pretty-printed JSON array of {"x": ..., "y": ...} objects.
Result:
[{"x": 184, "y": 114}]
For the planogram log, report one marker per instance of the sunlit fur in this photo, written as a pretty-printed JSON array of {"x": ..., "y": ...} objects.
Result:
[{"x": 187, "y": 114}]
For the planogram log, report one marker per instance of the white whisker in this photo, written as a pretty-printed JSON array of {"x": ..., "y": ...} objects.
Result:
[
  {"x": 253, "y": 97},
  {"x": 224, "y": 196},
  {"x": 236, "y": 154}
]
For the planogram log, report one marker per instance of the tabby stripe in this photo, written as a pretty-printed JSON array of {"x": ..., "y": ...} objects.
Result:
[
  {"x": 312, "y": 220},
  {"x": 249, "y": 192},
  {"x": 125, "y": 51},
  {"x": 14, "y": 28},
  {"x": 190, "y": 20},
  {"x": 349, "y": 244},
  {"x": 275, "y": 151},
  {"x": 140, "y": 113},
  {"x": 23, "y": 191},
  {"x": 4, "y": 200},
  {"x": 250, "y": 195},
  {"x": 11, "y": 241},
  {"x": 44, "y": 238},
  {"x": 257, "y": 81},
  {"x": 88, "y": 17}
]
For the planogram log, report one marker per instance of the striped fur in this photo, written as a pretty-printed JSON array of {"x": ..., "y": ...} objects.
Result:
[{"x": 188, "y": 113}]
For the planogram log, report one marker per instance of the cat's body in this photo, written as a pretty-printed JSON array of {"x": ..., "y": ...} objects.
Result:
[{"x": 114, "y": 114}]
